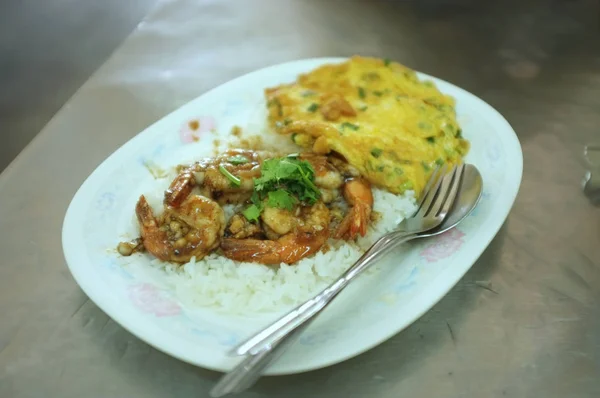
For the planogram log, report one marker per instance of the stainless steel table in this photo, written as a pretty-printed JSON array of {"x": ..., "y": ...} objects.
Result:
[{"x": 524, "y": 322}]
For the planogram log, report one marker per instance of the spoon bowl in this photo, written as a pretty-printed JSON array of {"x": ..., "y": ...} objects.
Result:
[{"x": 467, "y": 198}]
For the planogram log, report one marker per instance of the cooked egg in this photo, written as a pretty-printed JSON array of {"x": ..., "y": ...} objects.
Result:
[{"x": 390, "y": 125}]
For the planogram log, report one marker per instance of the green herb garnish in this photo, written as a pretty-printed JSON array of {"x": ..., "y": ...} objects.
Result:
[
  {"x": 378, "y": 93},
  {"x": 431, "y": 140},
  {"x": 349, "y": 125},
  {"x": 276, "y": 102},
  {"x": 238, "y": 159},
  {"x": 425, "y": 167},
  {"x": 281, "y": 199},
  {"x": 297, "y": 175},
  {"x": 363, "y": 108},
  {"x": 387, "y": 62},
  {"x": 235, "y": 181},
  {"x": 283, "y": 182},
  {"x": 361, "y": 92},
  {"x": 376, "y": 152},
  {"x": 313, "y": 107},
  {"x": 252, "y": 212},
  {"x": 439, "y": 161}
]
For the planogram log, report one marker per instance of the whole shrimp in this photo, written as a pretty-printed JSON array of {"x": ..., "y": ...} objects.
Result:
[
  {"x": 293, "y": 236},
  {"x": 333, "y": 174},
  {"x": 210, "y": 175},
  {"x": 358, "y": 194},
  {"x": 193, "y": 229}
]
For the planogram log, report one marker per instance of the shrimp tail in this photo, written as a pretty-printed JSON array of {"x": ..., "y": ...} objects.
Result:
[
  {"x": 253, "y": 250},
  {"x": 179, "y": 189},
  {"x": 145, "y": 215},
  {"x": 153, "y": 239},
  {"x": 359, "y": 195},
  {"x": 362, "y": 214},
  {"x": 356, "y": 221},
  {"x": 288, "y": 249}
]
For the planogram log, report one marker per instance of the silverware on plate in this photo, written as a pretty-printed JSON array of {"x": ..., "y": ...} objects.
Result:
[{"x": 448, "y": 197}]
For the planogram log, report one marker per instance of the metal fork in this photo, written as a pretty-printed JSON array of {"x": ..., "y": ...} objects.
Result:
[{"x": 261, "y": 349}]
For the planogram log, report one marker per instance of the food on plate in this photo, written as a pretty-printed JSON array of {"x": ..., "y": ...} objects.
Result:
[
  {"x": 357, "y": 193},
  {"x": 386, "y": 122},
  {"x": 193, "y": 228},
  {"x": 227, "y": 178},
  {"x": 283, "y": 214},
  {"x": 296, "y": 234},
  {"x": 269, "y": 223}
]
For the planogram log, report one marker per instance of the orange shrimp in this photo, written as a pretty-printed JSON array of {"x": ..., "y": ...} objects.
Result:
[
  {"x": 359, "y": 196},
  {"x": 208, "y": 175},
  {"x": 193, "y": 229},
  {"x": 180, "y": 188},
  {"x": 305, "y": 237}
]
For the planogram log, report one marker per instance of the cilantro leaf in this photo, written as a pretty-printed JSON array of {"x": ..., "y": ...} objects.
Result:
[
  {"x": 281, "y": 199},
  {"x": 283, "y": 182},
  {"x": 252, "y": 213}
]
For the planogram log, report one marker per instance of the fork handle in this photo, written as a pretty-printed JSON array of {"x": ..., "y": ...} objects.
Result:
[
  {"x": 304, "y": 312},
  {"x": 249, "y": 370}
]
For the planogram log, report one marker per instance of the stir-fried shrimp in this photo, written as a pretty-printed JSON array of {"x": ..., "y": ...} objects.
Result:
[
  {"x": 240, "y": 228},
  {"x": 305, "y": 231},
  {"x": 326, "y": 174},
  {"x": 327, "y": 177},
  {"x": 193, "y": 229},
  {"x": 333, "y": 173},
  {"x": 345, "y": 168},
  {"x": 359, "y": 196},
  {"x": 193, "y": 224},
  {"x": 227, "y": 178},
  {"x": 180, "y": 188}
]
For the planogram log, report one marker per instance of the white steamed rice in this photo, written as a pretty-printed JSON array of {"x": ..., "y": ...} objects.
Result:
[{"x": 237, "y": 287}]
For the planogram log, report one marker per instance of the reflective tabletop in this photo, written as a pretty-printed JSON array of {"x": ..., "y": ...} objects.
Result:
[{"x": 524, "y": 321}]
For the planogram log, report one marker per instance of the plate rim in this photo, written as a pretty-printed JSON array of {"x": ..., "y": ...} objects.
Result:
[{"x": 154, "y": 339}]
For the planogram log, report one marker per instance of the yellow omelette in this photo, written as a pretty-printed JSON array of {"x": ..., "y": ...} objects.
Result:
[{"x": 391, "y": 126}]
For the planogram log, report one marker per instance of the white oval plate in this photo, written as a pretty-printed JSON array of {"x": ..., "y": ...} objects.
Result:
[{"x": 375, "y": 309}]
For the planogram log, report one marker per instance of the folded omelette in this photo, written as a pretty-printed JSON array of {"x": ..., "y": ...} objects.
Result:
[{"x": 390, "y": 125}]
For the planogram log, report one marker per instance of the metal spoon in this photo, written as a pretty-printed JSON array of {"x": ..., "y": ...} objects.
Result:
[{"x": 261, "y": 353}]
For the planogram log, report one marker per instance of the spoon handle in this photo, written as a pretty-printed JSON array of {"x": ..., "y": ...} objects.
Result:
[{"x": 308, "y": 310}]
